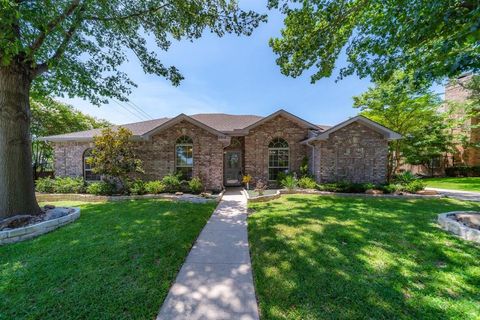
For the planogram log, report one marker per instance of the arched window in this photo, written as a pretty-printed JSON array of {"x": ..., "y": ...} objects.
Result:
[
  {"x": 88, "y": 173},
  {"x": 278, "y": 158},
  {"x": 184, "y": 157}
]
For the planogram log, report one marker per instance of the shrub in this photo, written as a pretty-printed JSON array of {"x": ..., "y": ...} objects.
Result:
[
  {"x": 60, "y": 185},
  {"x": 172, "y": 183},
  {"x": 389, "y": 188},
  {"x": 405, "y": 178},
  {"x": 69, "y": 185},
  {"x": 195, "y": 185},
  {"x": 136, "y": 187},
  {"x": 154, "y": 187},
  {"x": 281, "y": 176},
  {"x": 347, "y": 187},
  {"x": 304, "y": 168},
  {"x": 289, "y": 182},
  {"x": 101, "y": 188},
  {"x": 45, "y": 185},
  {"x": 463, "y": 171},
  {"x": 414, "y": 186},
  {"x": 307, "y": 183}
]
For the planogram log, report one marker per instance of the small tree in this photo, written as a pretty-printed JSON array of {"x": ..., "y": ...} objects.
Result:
[
  {"x": 114, "y": 155},
  {"x": 413, "y": 112}
]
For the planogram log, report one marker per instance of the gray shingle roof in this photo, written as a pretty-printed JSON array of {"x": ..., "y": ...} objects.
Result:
[{"x": 219, "y": 121}]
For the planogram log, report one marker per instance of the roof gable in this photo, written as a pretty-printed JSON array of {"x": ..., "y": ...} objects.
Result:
[
  {"x": 389, "y": 134},
  {"x": 181, "y": 117},
  {"x": 288, "y": 115}
]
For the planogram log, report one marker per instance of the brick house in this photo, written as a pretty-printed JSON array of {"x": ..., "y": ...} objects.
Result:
[{"x": 220, "y": 148}]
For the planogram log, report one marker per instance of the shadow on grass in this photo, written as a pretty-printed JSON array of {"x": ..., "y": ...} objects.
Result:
[
  {"x": 116, "y": 262},
  {"x": 338, "y": 258}
]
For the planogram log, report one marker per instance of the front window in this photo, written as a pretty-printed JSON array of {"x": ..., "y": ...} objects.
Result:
[
  {"x": 184, "y": 157},
  {"x": 88, "y": 173},
  {"x": 278, "y": 158}
]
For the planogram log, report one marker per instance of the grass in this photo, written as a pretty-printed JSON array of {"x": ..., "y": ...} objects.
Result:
[
  {"x": 117, "y": 261},
  {"x": 326, "y": 257},
  {"x": 464, "y": 184}
]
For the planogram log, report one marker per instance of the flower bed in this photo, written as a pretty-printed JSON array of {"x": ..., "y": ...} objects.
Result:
[
  {"x": 50, "y": 223},
  {"x": 449, "y": 221},
  {"x": 279, "y": 193},
  {"x": 51, "y": 197}
]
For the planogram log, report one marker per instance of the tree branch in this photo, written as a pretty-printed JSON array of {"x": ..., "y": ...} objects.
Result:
[
  {"x": 52, "y": 25},
  {"x": 43, "y": 67},
  {"x": 128, "y": 16}
]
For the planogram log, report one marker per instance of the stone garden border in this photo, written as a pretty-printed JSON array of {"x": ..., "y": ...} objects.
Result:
[
  {"x": 281, "y": 192},
  {"x": 34, "y": 230},
  {"x": 52, "y": 197},
  {"x": 449, "y": 224}
]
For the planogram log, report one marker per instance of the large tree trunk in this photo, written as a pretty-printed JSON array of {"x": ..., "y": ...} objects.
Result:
[{"x": 17, "y": 194}]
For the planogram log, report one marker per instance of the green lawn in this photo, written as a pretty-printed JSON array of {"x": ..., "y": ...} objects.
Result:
[
  {"x": 465, "y": 184},
  {"x": 116, "y": 262},
  {"x": 326, "y": 257}
]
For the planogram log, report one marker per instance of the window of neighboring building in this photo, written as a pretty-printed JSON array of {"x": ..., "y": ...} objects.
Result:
[
  {"x": 184, "y": 157},
  {"x": 88, "y": 173},
  {"x": 435, "y": 162},
  {"x": 278, "y": 158}
]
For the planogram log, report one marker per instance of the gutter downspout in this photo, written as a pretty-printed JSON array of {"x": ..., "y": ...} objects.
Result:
[{"x": 313, "y": 159}]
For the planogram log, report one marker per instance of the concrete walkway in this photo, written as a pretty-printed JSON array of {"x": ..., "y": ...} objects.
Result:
[
  {"x": 458, "y": 194},
  {"x": 216, "y": 280}
]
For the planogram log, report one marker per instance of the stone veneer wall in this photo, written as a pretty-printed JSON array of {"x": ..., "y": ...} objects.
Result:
[
  {"x": 354, "y": 153},
  {"x": 256, "y": 146},
  {"x": 157, "y": 155}
]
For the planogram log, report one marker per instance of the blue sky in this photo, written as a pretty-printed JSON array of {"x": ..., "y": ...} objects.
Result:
[{"x": 235, "y": 75}]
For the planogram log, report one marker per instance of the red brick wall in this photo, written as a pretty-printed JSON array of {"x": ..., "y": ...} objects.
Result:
[
  {"x": 158, "y": 155},
  {"x": 256, "y": 146},
  {"x": 354, "y": 153}
]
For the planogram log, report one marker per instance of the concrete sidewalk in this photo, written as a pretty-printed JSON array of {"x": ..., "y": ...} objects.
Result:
[
  {"x": 458, "y": 194},
  {"x": 216, "y": 280}
]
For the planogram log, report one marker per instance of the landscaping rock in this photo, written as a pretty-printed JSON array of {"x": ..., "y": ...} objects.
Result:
[
  {"x": 49, "y": 207},
  {"x": 15, "y": 222},
  {"x": 179, "y": 193},
  {"x": 373, "y": 191},
  {"x": 427, "y": 192},
  {"x": 56, "y": 213}
]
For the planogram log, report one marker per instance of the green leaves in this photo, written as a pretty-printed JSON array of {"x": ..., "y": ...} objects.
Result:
[
  {"x": 114, "y": 154},
  {"x": 75, "y": 47},
  {"x": 412, "y": 111},
  {"x": 429, "y": 39}
]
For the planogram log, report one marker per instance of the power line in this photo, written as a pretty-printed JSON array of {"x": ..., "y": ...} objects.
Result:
[
  {"x": 127, "y": 109},
  {"x": 140, "y": 110}
]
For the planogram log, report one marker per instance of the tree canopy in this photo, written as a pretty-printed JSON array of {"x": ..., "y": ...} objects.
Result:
[
  {"x": 51, "y": 117},
  {"x": 75, "y": 47},
  {"x": 430, "y": 39},
  {"x": 413, "y": 112}
]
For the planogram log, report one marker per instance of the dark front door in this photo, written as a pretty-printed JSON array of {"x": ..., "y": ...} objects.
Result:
[{"x": 233, "y": 168}]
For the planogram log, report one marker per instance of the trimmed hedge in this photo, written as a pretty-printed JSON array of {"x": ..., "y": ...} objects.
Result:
[
  {"x": 463, "y": 171},
  {"x": 60, "y": 185}
]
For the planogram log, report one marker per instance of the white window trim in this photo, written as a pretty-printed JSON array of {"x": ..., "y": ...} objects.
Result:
[{"x": 287, "y": 168}]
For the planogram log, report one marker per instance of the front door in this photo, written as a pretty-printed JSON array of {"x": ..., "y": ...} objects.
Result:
[{"x": 233, "y": 168}]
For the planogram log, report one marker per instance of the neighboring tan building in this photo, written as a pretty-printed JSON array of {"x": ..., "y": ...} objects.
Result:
[
  {"x": 456, "y": 92},
  {"x": 221, "y": 148}
]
